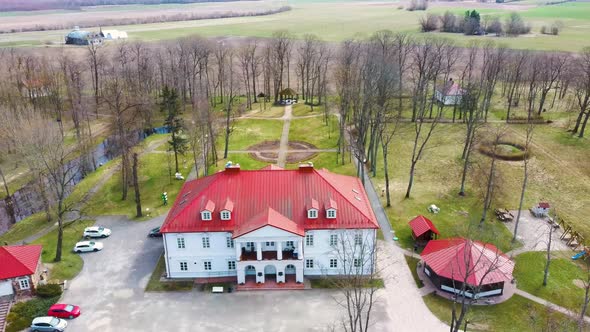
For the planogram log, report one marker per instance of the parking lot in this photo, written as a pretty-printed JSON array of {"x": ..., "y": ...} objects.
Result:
[{"x": 110, "y": 291}]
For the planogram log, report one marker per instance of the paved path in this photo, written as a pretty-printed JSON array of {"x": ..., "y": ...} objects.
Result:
[
  {"x": 404, "y": 300},
  {"x": 551, "y": 305},
  {"x": 284, "y": 147}
]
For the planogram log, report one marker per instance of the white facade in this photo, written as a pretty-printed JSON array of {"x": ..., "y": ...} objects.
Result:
[
  {"x": 6, "y": 287},
  {"x": 448, "y": 99},
  {"x": 114, "y": 34},
  {"x": 269, "y": 252}
]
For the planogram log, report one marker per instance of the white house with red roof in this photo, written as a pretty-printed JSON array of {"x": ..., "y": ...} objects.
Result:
[
  {"x": 450, "y": 94},
  {"x": 20, "y": 269},
  {"x": 269, "y": 226}
]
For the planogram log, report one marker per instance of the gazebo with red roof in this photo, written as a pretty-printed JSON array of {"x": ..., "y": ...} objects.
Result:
[
  {"x": 423, "y": 230},
  {"x": 483, "y": 267}
]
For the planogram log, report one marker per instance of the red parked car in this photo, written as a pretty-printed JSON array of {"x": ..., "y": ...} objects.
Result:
[{"x": 64, "y": 311}]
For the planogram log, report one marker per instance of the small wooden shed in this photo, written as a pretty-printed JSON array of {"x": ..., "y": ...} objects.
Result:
[{"x": 423, "y": 230}]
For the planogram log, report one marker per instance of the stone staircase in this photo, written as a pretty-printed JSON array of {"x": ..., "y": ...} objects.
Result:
[{"x": 4, "y": 309}]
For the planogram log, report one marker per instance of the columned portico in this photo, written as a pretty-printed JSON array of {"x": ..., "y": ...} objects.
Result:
[{"x": 270, "y": 252}]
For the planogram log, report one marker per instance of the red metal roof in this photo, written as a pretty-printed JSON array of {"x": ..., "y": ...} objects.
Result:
[
  {"x": 331, "y": 204},
  {"x": 269, "y": 217},
  {"x": 455, "y": 258},
  {"x": 421, "y": 225},
  {"x": 284, "y": 191},
  {"x": 544, "y": 205},
  {"x": 17, "y": 261}
]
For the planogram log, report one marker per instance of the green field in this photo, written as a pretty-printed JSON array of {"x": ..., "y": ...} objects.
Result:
[{"x": 350, "y": 19}]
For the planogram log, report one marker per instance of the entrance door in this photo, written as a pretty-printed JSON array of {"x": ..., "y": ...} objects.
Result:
[{"x": 270, "y": 272}]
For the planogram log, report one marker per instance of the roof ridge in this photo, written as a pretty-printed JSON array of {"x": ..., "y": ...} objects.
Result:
[{"x": 372, "y": 217}]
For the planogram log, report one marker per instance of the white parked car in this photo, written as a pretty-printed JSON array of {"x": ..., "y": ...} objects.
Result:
[
  {"x": 48, "y": 323},
  {"x": 96, "y": 231},
  {"x": 86, "y": 246}
]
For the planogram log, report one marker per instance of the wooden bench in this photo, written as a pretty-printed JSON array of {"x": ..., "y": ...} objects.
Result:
[{"x": 217, "y": 289}]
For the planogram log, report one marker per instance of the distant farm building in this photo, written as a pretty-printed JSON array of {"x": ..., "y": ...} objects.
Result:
[
  {"x": 80, "y": 37},
  {"x": 450, "y": 94},
  {"x": 113, "y": 34}
]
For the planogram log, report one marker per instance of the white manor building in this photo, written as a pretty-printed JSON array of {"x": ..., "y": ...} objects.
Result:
[{"x": 270, "y": 226}]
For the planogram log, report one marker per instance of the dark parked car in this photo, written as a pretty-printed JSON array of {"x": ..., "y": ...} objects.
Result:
[{"x": 155, "y": 232}]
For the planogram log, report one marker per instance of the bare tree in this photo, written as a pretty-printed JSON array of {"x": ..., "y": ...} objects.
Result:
[
  {"x": 527, "y": 145},
  {"x": 358, "y": 281},
  {"x": 582, "y": 91},
  {"x": 497, "y": 135},
  {"x": 428, "y": 65},
  {"x": 138, "y": 213},
  {"x": 477, "y": 261},
  {"x": 96, "y": 61},
  {"x": 41, "y": 143}
]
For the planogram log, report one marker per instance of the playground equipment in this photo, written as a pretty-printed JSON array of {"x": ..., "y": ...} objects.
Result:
[
  {"x": 578, "y": 255},
  {"x": 581, "y": 254}
]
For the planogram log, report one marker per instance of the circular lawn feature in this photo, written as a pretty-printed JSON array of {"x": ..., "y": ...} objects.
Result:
[
  {"x": 504, "y": 151},
  {"x": 268, "y": 151}
]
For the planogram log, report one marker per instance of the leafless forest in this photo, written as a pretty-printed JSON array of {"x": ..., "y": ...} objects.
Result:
[{"x": 375, "y": 86}]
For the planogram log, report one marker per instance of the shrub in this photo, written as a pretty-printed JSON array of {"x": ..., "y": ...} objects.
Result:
[
  {"x": 494, "y": 26},
  {"x": 515, "y": 25},
  {"x": 449, "y": 22},
  {"x": 22, "y": 313},
  {"x": 417, "y": 5},
  {"x": 429, "y": 23},
  {"x": 48, "y": 290}
]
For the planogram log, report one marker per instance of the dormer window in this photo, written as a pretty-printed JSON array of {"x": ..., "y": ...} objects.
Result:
[
  {"x": 312, "y": 214},
  {"x": 226, "y": 210},
  {"x": 331, "y": 209},
  {"x": 312, "y": 208},
  {"x": 207, "y": 210},
  {"x": 331, "y": 213},
  {"x": 225, "y": 215},
  {"x": 206, "y": 215}
]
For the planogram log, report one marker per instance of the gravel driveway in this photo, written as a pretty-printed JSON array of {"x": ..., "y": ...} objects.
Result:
[{"x": 110, "y": 291}]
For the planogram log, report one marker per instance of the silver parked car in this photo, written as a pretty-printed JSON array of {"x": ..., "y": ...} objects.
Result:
[
  {"x": 86, "y": 246},
  {"x": 48, "y": 323},
  {"x": 96, "y": 231}
]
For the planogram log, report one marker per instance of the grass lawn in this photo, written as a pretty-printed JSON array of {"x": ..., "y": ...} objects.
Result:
[
  {"x": 315, "y": 131},
  {"x": 154, "y": 284},
  {"x": 25, "y": 228},
  {"x": 71, "y": 263},
  {"x": 248, "y": 132},
  {"x": 517, "y": 314},
  {"x": 413, "y": 265},
  {"x": 301, "y": 109},
  {"x": 560, "y": 288},
  {"x": 271, "y": 111},
  {"x": 246, "y": 162},
  {"x": 154, "y": 179},
  {"x": 330, "y": 161}
]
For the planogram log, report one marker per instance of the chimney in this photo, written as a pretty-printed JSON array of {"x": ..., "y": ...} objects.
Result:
[
  {"x": 232, "y": 168},
  {"x": 306, "y": 167}
]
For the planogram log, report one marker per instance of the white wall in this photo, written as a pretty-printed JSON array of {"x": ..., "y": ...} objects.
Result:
[
  {"x": 321, "y": 252},
  {"x": 219, "y": 254},
  {"x": 195, "y": 255},
  {"x": 6, "y": 287}
]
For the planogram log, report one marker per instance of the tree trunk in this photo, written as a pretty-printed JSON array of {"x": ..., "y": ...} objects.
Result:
[
  {"x": 546, "y": 273},
  {"x": 8, "y": 200},
  {"x": 136, "y": 186},
  {"x": 488, "y": 198},
  {"x": 524, "y": 183},
  {"x": 584, "y": 124},
  {"x": 411, "y": 182},
  {"x": 386, "y": 173},
  {"x": 60, "y": 235}
]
